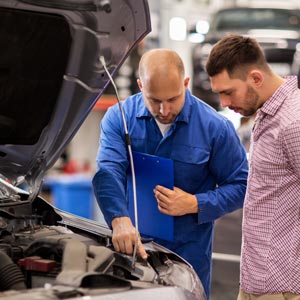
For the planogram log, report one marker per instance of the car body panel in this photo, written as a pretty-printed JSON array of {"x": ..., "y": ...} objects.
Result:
[{"x": 52, "y": 76}]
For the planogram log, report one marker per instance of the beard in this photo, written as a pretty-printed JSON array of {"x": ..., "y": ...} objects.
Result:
[
  {"x": 168, "y": 120},
  {"x": 251, "y": 105}
]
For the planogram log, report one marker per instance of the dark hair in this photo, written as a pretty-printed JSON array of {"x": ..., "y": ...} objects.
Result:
[{"x": 236, "y": 54}]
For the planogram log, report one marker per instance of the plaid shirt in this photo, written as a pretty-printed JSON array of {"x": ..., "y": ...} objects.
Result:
[{"x": 271, "y": 225}]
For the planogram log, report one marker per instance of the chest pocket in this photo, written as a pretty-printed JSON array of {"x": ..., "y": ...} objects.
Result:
[
  {"x": 190, "y": 155},
  {"x": 191, "y": 166}
]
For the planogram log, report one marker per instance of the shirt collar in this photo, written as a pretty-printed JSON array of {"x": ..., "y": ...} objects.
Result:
[
  {"x": 271, "y": 106},
  {"x": 183, "y": 116}
]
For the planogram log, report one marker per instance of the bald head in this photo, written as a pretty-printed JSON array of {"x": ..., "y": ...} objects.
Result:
[
  {"x": 160, "y": 63},
  {"x": 162, "y": 82}
]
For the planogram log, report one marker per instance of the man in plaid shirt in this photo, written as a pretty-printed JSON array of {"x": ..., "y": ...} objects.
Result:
[{"x": 239, "y": 73}]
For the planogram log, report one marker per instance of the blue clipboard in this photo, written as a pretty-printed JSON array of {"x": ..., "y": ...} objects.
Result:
[{"x": 151, "y": 170}]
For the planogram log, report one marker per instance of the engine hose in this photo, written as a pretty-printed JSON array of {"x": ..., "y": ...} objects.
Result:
[{"x": 11, "y": 277}]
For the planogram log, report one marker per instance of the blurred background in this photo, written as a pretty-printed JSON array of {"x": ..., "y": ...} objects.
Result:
[{"x": 191, "y": 27}]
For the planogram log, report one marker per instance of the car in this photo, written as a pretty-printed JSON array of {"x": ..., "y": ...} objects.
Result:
[
  {"x": 295, "y": 68},
  {"x": 57, "y": 58},
  {"x": 276, "y": 29}
]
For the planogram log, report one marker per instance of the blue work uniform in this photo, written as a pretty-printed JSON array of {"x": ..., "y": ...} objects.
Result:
[{"x": 209, "y": 162}]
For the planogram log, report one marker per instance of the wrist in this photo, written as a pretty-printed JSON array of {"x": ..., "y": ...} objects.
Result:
[
  {"x": 119, "y": 220},
  {"x": 193, "y": 204}
]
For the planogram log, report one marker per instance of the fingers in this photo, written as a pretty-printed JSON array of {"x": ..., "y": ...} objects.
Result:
[
  {"x": 163, "y": 194},
  {"x": 141, "y": 250},
  {"x": 162, "y": 198},
  {"x": 116, "y": 244},
  {"x": 163, "y": 190},
  {"x": 123, "y": 245},
  {"x": 161, "y": 203},
  {"x": 175, "y": 202},
  {"x": 127, "y": 246},
  {"x": 124, "y": 237}
]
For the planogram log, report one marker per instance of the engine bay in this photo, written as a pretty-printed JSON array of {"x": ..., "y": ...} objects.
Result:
[{"x": 42, "y": 251}]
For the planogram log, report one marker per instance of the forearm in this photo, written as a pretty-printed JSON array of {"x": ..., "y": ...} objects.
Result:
[
  {"x": 110, "y": 195},
  {"x": 215, "y": 204}
]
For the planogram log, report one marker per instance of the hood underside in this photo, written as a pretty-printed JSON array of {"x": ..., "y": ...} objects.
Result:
[{"x": 51, "y": 75}]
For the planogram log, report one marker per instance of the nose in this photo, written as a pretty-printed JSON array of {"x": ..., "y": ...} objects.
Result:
[
  {"x": 225, "y": 101},
  {"x": 164, "y": 109}
]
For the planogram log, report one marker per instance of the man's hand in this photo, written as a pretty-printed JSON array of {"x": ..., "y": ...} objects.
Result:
[
  {"x": 124, "y": 236},
  {"x": 175, "y": 202}
]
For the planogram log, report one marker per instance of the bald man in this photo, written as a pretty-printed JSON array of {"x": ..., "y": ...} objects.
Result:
[{"x": 210, "y": 166}]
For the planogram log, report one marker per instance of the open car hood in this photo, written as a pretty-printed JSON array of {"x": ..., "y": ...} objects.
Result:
[{"x": 51, "y": 75}]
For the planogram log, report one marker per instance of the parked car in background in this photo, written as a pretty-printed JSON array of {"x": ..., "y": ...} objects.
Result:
[
  {"x": 52, "y": 72},
  {"x": 276, "y": 29},
  {"x": 295, "y": 68}
]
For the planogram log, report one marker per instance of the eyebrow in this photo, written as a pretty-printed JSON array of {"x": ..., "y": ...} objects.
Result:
[{"x": 225, "y": 91}]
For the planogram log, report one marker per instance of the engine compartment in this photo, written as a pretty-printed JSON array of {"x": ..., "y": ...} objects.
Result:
[{"x": 39, "y": 252}]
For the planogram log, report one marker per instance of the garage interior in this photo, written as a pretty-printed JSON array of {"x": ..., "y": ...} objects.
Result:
[{"x": 78, "y": 161}]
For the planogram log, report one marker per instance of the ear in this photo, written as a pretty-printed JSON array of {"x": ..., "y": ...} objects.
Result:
[
  {"x": 186, "y": 82},
  {"x": 140, "y": 84},
  {"x": 256, "y": 77}
]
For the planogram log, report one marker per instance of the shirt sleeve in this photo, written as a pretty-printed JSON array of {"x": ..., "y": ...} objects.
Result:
[
  {"x": 229, "y": 165},
  {"x": 291, "y": 136},
  {"x": 109, "y": 181}
]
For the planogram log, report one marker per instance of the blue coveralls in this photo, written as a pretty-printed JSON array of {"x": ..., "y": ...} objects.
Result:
[{"x": 209, "y": 161}]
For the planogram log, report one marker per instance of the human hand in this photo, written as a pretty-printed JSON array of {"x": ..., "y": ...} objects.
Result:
[
  {"x": 124, "y": 237},
  {"x": 175, "y": 202}
]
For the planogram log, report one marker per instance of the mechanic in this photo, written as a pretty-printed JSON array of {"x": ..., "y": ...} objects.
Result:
[
  {"x": 210, "y": 165},
  {"x": 270, "y": 264}
]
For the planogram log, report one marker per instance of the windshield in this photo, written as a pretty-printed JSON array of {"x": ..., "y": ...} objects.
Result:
[{"x": 269, "y": 18}]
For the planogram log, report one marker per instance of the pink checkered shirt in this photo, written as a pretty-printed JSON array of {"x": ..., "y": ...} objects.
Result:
[{"x": 271, "y": 225}]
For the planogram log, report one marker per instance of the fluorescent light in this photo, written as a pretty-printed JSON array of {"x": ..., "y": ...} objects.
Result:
[
  {"x": 196, "y": 38},
  {"x": 202, "y": 26},
  {"x": 177, "y": 29}
]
